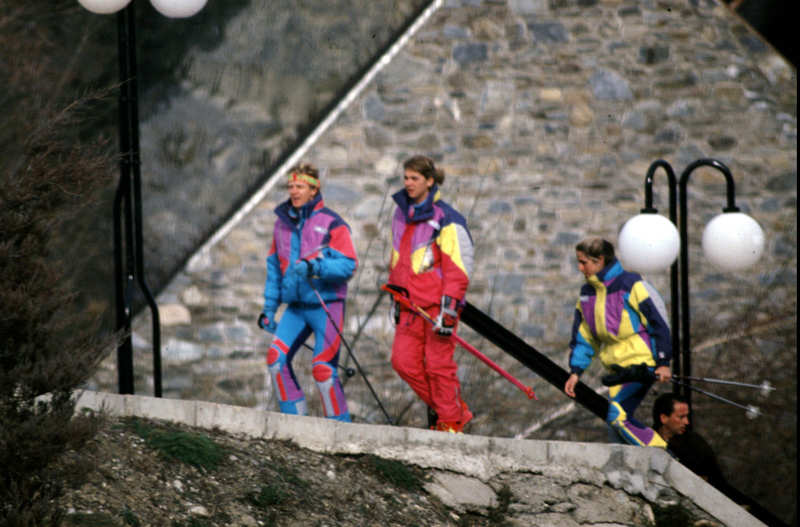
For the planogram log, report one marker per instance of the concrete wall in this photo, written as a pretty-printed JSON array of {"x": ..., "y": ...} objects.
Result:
[{"x": 622, "y": 473}]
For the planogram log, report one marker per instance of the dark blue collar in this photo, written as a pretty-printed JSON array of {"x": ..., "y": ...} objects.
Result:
[{"x": 423, "y": 211}]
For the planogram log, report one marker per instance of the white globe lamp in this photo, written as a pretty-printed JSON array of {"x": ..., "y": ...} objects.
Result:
[
  {"x": 103, "y": 7},
  {"x": 178, "y": 8},
  {"x": 648, "y": 243},
  {"x": 733, "y": 241}
]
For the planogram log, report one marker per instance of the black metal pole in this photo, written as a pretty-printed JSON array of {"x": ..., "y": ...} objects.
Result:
[
  {"x": 123, "y": 267},
  {"x": 129, "y": 193},
  {"x": 673, "y": 270},
  {"x": 684, "y": 261},
  {"x": 137, "y": 200}
]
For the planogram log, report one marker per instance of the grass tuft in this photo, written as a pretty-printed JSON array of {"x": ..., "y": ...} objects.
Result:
[
  {"x": 188, "y": 447},
  {"x": 394, "y": 472}
]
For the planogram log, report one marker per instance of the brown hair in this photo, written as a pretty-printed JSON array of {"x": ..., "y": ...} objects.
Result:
[
  {"x": 425, "y": 166},
  {"x": 597, "y": 247}
]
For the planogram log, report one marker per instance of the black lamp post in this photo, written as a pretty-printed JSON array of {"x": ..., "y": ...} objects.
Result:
[
  {"x": 673, "y": 268},
  {"x": 731, "y": 207},
  {"x": 128, "y": 229},
  {"x": 731, "y": 241},
  {"x": 128, "y": 208}
]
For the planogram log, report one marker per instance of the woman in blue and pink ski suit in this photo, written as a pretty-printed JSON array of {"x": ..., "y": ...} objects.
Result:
[{"x": 310, "y": 261}]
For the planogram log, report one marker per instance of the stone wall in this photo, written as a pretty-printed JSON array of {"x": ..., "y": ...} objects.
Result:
[
  {"x": 223, "y": 96},
  {"x": 214, "y": 134},
  {"x": 545, "y": 118}
]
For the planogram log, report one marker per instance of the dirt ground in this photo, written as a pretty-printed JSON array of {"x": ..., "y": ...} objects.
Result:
[{"x": 237, "y": 482}]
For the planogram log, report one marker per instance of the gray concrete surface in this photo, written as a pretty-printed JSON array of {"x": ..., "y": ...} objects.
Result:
[{"x": 469, "y": 460}]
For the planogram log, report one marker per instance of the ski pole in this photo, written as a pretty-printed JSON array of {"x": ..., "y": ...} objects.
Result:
[
  {"x": 765, "y": 386},
  {"x": 752, "y": 411},
  {"x": 350, "y": 351},
  {"x": 527, "y": 389},
  {"x": 412, "y": 306}
]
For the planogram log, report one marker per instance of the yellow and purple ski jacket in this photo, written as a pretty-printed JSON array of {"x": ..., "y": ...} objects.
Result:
[
  {"x": 621, "y": 316},
  {"x": 432, "y": 252}
]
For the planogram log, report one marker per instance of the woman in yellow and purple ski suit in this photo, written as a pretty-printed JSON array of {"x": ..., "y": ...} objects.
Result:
[{"x": 622, "y": 318}]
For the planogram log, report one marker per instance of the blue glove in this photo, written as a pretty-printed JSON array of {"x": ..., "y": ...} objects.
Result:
[
  {"x": 267, "y": 322},
  {"x": 302, "y": 269}
]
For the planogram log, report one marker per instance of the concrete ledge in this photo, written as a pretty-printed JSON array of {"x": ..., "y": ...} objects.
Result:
[{"x": 646, "y": 471}]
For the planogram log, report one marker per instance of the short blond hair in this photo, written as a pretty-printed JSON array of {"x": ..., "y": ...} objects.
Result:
[{"x": 305, "y": 172}]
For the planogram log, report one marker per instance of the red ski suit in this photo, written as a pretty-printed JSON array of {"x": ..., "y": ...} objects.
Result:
[{"x": 432, "y": 255}]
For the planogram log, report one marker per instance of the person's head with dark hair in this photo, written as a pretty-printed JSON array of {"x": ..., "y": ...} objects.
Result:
[
  {"x": 593, "y": 254},
  {"x": 670, "y": 415},
  {"x": 419, "y": 175}
]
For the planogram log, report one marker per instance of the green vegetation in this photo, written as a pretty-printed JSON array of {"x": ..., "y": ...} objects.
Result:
[
  {"x": 393, "y": 472},
  {"x": 91, "y": 519},
  {"x": 192, "y": 522},
  {"x": 191, "y": 448},
  {"x": 130, "y": 518},
  {"x": 268, "y": 495},
  {"x": 497, "y": 514},
  {"x": 281, "y": 486}
]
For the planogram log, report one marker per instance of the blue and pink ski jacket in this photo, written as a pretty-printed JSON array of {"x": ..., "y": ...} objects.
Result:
[{"x": 317, "y": 234}]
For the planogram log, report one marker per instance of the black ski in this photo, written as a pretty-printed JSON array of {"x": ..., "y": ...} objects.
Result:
[{"x": 487, "y": 327}]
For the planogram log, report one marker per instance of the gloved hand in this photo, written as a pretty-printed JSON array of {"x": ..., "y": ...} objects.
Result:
[
  {"x": 267, "y": 322},
  {"x": 313, "y": 267},
  {"x": 620, "y": 375},
  {"x": 301, "y": 268},
  {"x": 447, "y": 318}
]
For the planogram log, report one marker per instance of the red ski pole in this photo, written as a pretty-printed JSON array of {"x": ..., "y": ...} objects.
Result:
[{"x": 405, "y": 301}]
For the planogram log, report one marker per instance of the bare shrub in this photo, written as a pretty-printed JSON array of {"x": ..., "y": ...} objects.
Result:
[{"x": 48, "y": 348}]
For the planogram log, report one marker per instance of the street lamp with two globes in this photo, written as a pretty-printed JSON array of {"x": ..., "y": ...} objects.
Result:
[{"x": 650, "y": 243}]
